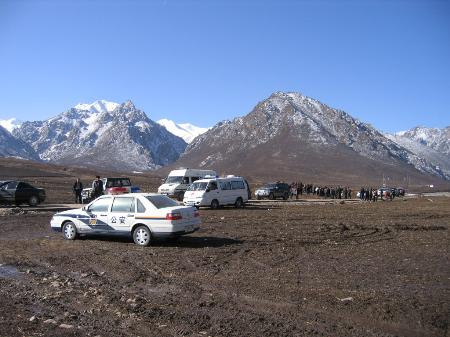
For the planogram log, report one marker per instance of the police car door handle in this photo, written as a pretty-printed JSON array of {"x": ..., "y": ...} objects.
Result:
[
  {"x": 130, "y": 215},
  {"x": 103, "y": 215}
]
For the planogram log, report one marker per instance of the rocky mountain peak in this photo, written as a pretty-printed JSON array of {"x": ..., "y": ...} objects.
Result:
[
  {"x": 306, "y": 125},
  {"x": 103, "y": 133}
]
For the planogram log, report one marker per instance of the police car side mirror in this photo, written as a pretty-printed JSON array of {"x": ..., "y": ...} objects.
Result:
[{"x": 207, "y": 189}]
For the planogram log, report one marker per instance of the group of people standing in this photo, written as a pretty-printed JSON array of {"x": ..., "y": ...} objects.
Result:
[
  {"x": 336, "y": 192},
  {"x": 97, "y": 189},
  {"x": 372, "y": 194}
]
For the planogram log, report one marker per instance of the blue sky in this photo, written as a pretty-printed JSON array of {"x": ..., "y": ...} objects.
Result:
[{"x": 385, "y": 62}]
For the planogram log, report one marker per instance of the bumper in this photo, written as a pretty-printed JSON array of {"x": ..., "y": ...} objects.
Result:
[
  {"x": 194, "y": 203},
  {"x": 55, "y": 225},
  {"x": 165, "y": 235}
]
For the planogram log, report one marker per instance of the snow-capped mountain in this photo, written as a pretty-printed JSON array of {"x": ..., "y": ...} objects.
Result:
[
  {"x": 98, "y": 106},
  {"x": 184, "y": 130},
  {"x": 289, "y": 133},
  {"x": 432, "y": 144},
  {"x": 9, "y": 124},
  {"x": 437, "y": 139},
  {"x": 10, "y": 146},
  {"x": 103, "y": 134}
]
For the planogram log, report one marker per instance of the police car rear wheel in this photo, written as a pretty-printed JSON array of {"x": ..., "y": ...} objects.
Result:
[
  {"x": 69, "y": 231},
  {"x": 142, "y": 236}
]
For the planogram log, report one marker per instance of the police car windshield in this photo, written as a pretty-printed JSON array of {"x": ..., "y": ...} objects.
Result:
[
  {"x": 197, "y": 187},
  {"x": 161, "y": 201},
  {"x": 172, "y": 180}
]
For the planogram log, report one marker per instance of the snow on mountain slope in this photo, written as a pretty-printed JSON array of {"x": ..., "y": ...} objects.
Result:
[
  {"x": 98, "y": 106},
  {"x": 103, "y": 134},
  {"x": 434, "y": 157},
  {"x": 10, "y": 146},
  {"x": 289, "y": 126},
  {"x": 9, "y": 124},
  {"x": 437, "y": 139},
  {"x": 185, "y": 130}
]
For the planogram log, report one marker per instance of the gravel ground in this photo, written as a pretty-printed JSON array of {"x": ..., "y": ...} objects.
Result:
[{"x": 286, "y": 269}]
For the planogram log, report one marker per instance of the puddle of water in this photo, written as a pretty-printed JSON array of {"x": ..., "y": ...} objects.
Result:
[{"x": 9, "y": 272}]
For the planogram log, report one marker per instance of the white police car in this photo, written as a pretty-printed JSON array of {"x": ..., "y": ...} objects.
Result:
[{"x": 142, "y": 215}]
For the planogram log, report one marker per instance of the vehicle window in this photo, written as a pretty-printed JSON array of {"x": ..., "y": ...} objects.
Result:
[
  {"x": 194, "y": 179},
  {"x": 25, "y": 185},
  {"x": 100, "y": 205},
  {"x": 118, "y": 182},
  {"x": 123, "y": 205},
  {"x": 212, "y": 186},
  {"x": 11, "y": 185},
  {"x": 185, "y": 180},
  {"x": 197, "y": 187},
  {"x": 161, "y": 201},
  {"x": 225, "y": 185},
  {"x": 237, "y": 185},
  {"x": 140, "y": 207},
  {"x": 173, "y": 180}
]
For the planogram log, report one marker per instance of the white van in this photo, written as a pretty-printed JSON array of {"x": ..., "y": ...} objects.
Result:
[
  {"x": 217, "y": 192},
  {"x": 179, "y": 180}
]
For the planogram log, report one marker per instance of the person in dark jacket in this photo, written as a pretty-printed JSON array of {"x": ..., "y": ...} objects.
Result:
[
  {"x": 77, "y": 188},
  {"x": 97, "y": 187}
]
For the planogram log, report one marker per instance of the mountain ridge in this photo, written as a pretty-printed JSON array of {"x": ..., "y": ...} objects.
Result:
[
  {"x": 95, "y": 135},
  {"x": 290, "y": 124}
]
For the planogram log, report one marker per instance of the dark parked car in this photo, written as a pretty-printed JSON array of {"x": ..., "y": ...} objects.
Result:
[
  {"x": 400, "y": 192},
  {"x": 19, "y": 192},
  {"x": 273, "y": 191}
]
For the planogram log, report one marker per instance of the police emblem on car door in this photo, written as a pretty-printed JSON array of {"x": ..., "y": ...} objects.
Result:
[
  {"x": 98, "y": 214},
  {"x": 122, "y": 213}
]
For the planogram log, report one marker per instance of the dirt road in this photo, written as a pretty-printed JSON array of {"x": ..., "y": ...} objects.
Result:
[{"x": 289, "y": 270}]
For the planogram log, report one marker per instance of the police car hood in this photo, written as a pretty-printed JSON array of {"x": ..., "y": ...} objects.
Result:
[{"x": 75, "y": 211}]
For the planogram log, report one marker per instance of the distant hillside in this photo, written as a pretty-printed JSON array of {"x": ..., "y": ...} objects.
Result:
[{"x": 290, "y": 136}]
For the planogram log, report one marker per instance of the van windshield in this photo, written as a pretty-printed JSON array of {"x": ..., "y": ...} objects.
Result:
[
  {"x": 197, "y": 187},
  {"x": 173, "y": 180}
]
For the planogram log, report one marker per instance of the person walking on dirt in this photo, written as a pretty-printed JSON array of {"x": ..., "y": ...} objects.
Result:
[
  {"x": 77, "y": 188},
  {"x": 97, "y": 187}
]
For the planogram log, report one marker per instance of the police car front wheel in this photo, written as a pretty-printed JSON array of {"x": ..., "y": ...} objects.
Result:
[
  {"x": 142, "y": 236},
  {"x": 69, "y": 231}
]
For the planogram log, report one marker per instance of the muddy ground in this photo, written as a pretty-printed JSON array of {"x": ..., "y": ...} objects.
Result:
[{"x": 268, "y": 270}]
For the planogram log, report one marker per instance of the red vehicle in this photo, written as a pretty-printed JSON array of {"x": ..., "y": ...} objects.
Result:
[{"x": 116, "y": 185}]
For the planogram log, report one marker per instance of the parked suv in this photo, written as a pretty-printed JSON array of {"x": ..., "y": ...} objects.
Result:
[
  {"x": 19, "y": 192},
  {"x": 273, "y": 191},
  {"x": 111, "y": 186}
]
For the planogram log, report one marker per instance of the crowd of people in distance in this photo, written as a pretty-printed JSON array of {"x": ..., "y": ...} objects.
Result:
[
  {"x": 297, "y": 189},
  {"x": 373, "y": 194}
]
